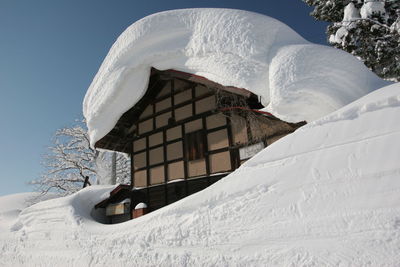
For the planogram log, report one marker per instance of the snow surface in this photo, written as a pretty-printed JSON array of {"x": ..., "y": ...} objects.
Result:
[
  {"x": 326, "y": 195},
  {"x": 10, "y": 208},
  {"x": 297, "y": 80}
]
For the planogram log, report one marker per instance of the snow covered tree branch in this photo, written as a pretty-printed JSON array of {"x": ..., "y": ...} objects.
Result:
[
  {"x": 70, "y": 159},
  {"x": 368, "y": 29}
]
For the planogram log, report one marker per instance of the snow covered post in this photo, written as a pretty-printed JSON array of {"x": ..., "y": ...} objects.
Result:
[
  {"x": 140, "y": 210},
  {"x": 86, "y": 183}
]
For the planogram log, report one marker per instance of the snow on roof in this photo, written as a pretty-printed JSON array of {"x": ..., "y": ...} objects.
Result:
[{"x": 296, "y": 80}]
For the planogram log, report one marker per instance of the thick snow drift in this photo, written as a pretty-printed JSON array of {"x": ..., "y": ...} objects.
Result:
[
  {"x": 326, "y": 195},
  {"x": 297, "y": 80},
  {"x": 10, "y": 207}
]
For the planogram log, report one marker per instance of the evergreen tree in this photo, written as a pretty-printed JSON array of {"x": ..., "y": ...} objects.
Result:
[{"x": 368, "y": 29}]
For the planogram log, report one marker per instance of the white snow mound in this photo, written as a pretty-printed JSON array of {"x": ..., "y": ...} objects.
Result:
[
  {"x": 326, "y": 195},
  {"x": 296, "y": 80}
]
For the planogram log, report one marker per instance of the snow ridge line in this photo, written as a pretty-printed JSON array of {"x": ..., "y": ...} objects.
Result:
[
  {"x": 355, "y": 112},
  {"x": 249, "y": 166}
]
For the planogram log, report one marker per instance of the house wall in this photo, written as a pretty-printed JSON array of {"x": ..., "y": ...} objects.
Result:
[
  {"x": 184, "y": 143},
  {"x": 182, "y": 107},
  {"x": 188, "y": 136},
  {"x": 159, "y": 149}
]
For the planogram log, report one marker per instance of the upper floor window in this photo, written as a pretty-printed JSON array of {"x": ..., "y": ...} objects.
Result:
[{"x": 195, "y": 145}]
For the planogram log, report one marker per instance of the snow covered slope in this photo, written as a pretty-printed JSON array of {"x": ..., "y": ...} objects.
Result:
[
  {"x": 10, "y": 208},
  {"x": 12, "y": 205},
  {"x": 326, "y": 195},
  {"x": 297, "y": 80}
]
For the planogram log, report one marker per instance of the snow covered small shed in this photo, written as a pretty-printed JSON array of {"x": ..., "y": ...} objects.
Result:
[{"x": 170, "y": 93}]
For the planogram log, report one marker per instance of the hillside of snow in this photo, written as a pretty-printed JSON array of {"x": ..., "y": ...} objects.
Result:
[
  {"x": 297, "y": 80},
  {"x": 10, "y": 207},
  {"x": 326, "y": 195}
]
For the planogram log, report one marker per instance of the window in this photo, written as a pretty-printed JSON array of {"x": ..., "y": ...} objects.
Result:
[{"x": 195, "y": 145}]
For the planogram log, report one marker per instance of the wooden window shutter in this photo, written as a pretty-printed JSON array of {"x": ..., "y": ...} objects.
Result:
[{"x": 195, "y": 145}]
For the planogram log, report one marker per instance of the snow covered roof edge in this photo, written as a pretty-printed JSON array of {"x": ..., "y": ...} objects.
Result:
[{"x": 231, "y": 47}]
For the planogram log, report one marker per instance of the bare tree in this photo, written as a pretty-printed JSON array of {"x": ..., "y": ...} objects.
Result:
[
  {"x": 70, "y": 159},
  {"x": 113, "y": 167}
]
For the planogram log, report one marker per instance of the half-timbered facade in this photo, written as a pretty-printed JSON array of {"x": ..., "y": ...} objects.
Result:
[{"x": 188, "y": 132}]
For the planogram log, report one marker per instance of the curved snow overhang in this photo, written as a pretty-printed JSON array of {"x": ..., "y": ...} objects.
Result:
[{"x": 296, "y": 80}]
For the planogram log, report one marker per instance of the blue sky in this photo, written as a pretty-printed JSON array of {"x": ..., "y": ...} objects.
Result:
[{"x": 51, "y": 50}]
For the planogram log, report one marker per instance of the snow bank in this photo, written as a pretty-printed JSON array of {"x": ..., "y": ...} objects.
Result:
[
  {"x": 309, "y": 81},
  {"x": 11, "y": 206},
  {"x": 326, "y": 195},
  {"x": 230, "y": 47}
]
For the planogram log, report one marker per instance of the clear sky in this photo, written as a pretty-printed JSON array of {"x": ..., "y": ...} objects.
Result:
[{"x": 51, "y": 50}]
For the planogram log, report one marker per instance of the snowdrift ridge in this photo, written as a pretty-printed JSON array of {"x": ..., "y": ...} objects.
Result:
[{"x": 326, "y": 195}]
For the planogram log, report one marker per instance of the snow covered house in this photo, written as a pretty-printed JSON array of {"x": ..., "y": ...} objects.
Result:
[
  {"x": 180, "y": 91},
  {"x": 184, "y": 134}
]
